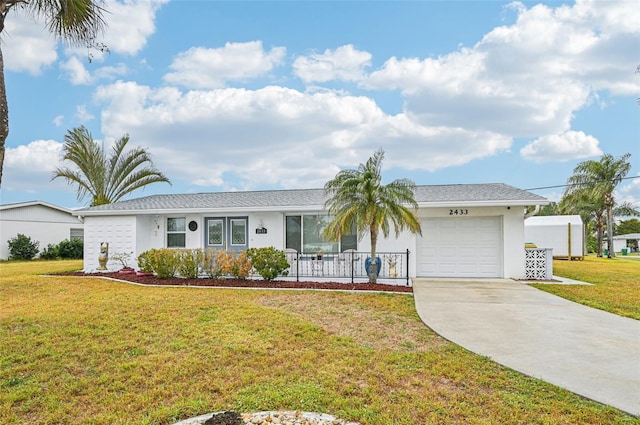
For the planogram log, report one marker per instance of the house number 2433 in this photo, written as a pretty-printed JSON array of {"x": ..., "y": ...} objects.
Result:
[{"x": 459, "y": 212}]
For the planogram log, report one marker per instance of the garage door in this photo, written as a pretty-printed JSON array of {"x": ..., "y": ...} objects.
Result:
[{"x": 460, "y": 247}]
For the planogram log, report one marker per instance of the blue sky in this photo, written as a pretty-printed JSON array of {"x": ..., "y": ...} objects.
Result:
[{"x": 283, "y": 94}]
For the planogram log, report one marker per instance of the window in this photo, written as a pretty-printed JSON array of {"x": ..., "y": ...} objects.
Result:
[
  {"x": 76, "y": 234},
  {"x": 294, "y": 232},
  {"x": 304, "y": 234},
  {"x": 238, "y": 231},
  {"x": 229, "y": 233},
  {"x": 176, "y": 232},
  {"x": 216, "y": 232}
]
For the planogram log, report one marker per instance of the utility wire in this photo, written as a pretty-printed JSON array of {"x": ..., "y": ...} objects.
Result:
[{"x": 567, "y": 185}]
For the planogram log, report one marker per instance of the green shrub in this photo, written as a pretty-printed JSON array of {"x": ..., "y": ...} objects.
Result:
[
  {"x": 73, "y": 249},
  {"x": 22, "y": 247},
  {"x": 50, "y": 252},
  {"x": 143, "y": 262},
  {"x": 190, "y": 262},
  {"x": 268, "y": 262},
  {"x": 164, "y": 262}
]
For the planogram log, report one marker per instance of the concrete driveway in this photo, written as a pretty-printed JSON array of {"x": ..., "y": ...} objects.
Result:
[{"x": 587, "y": 351}]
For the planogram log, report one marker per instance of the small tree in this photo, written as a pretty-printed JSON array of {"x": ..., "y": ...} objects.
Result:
[
  {"x": 358, "y": 198},
  {"x": 105, "y": 178},
  {"x": 22, "y": 247}
]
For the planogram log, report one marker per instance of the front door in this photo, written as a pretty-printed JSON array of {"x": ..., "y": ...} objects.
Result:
[{"x": 227, "y": 233}]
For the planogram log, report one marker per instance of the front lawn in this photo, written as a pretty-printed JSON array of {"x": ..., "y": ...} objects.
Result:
[
  {"x": 616, "y": 283},
  {"x": 91, "y": 351}
]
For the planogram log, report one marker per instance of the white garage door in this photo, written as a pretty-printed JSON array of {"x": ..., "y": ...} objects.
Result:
[{"x": 460, "y": 247}]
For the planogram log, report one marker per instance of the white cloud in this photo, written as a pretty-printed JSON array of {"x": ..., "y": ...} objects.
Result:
[
  {"x": 58, "y": 120},
  {"x": 561, "y": 147},
  {"x": 276, "y": 135},
  {"x": 83, "y": 115},
  {"x": 26, "y": 45},
  {"x": 76, "y": 71},
  {"x": 201, "y": 67},
  {"x": 344, "y": 63},
  {"x": 27, "y": 166},
  {"x": 129, "y": 24},
  {"x": 39, "y": 154},
  {"x": 78, "y": 74},
  {"x": 629, "y": 191},
  {"x": 524, "y": 79}
]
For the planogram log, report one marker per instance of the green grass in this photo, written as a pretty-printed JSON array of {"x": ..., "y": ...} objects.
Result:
[
  {"x": 616, "y": 283},
  {"x": 92, "y": 351}
]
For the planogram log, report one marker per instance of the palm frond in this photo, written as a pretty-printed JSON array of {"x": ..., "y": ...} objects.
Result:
[
  {"x": 106, "y": 179},
  {"x": 76, "y": 22}
]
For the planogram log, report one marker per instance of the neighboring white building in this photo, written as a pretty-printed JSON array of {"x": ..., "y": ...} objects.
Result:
[
  {"x": 630, "y": 240},
  {"x": 562, "y": 233},
  {"x": 42, "y": 222},
  {"x": 474, "y": 230}
]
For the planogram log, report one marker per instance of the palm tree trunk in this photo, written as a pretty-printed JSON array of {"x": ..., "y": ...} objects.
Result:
[
  {"x": 4, "y": 111},
  {"x": 373, "y": 269},
  {"x": 612, "y": 252},
  {"x": 599, "y": 233},
  {"x": 608, "y": 203}
]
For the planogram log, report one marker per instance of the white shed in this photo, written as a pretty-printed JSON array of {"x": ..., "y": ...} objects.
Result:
[
  {"x": 563, "y": 233},
  {"x": 42, "y": 222}
]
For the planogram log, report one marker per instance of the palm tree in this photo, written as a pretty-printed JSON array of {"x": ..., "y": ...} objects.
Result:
[
  {"x": 106, "y": 179},
  {"x": 599, "y": 179},
  {"x": 589, "y": 209},
  {"x": 357, "y": 198},
  {"x": 76, "y": 22}
]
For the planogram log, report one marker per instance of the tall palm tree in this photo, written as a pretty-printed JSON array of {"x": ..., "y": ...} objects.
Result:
[
  {"x": 358, "y": 198},
  {"x": 599, "y": 179},
  {"x": 76, "y": 22},
  {"x": 106, "y": 179}
]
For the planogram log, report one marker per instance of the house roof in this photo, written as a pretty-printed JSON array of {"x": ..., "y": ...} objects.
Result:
[
  {"x": 34, "y": 203},
  {"x": 631, "y": 236},
  {"x": 494, "y": 194},
  {"x": 553, "y": 220}
]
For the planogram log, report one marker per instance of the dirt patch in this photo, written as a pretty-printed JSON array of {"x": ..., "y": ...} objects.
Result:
[{"x": 250, "y": 283}]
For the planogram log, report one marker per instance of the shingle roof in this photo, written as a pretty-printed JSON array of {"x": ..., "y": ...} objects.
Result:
[{"x": 306, "y": 199}]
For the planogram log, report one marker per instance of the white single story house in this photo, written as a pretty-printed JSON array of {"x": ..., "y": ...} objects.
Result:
[
  {"x": 42, "y": 222},
  {"x": 630, "y": 240},
  {"x": 468, "y": 230},
  {"x": 565, "y": 234}
]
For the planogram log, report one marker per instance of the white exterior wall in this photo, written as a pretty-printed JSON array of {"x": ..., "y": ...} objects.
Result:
[
  {"x": 553, "y": 232},
  {"x": 119, "y": 232},
  {"x": 138, "y": 234},
  {"x": 619, "y": 244},
  {"x": 42, "y": 224},
  {"x": 274, "y": 223}
]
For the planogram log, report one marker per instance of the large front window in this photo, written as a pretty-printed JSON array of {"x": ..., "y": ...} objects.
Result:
[
  {"x": 176, "y": 232},
  {"x": 304, "y": 234}
]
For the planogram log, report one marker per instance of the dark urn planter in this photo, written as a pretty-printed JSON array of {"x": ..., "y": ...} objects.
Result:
[{"x": 367, "y": 264}]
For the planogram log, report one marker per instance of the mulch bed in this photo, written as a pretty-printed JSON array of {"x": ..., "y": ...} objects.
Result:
[{"x": 250, "y": 283}]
